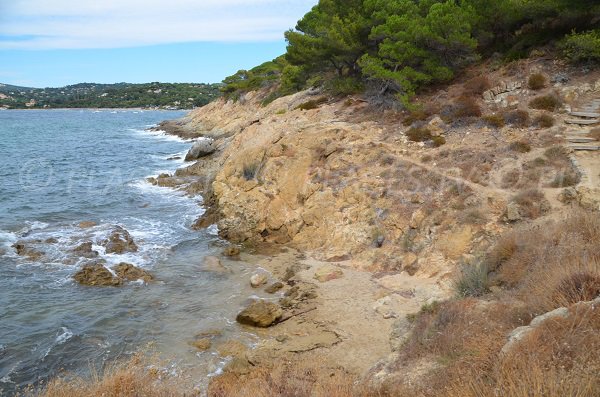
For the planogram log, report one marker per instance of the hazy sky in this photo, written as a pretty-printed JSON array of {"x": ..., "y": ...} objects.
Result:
[{"x": 58, "y": 42}]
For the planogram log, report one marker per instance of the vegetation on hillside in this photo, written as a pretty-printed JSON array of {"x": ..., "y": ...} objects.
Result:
[
  {"x": 122, "y": 95},
  {"x": 398, "y": 47}
]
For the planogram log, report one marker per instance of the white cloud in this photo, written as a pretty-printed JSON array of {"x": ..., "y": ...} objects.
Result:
[{"x": 44, "y": 24}]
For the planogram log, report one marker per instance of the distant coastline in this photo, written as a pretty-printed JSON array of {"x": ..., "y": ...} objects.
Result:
[{"x": 151, "y": 96}]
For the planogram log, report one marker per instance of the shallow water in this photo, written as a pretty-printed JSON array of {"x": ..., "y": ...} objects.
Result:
[{"x": 61, "y": 167}]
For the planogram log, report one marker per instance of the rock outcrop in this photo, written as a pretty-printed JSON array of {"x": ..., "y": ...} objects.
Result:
[
  {"x": 119, "y": 242},
  {"x": 202, "y": 148},
  {"x": 97, "y": 274},
  {"x": 260, "y": 314}
]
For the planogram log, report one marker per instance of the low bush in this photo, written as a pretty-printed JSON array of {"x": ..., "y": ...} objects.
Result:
[
  {"x": 582, "y": 47},
  {"x": 312, "y": 104},
  {"x": 416, "y": 115},
  {"x": 473, "y": 217},
  {"x": 557, "y": 153},
  {"x": 566, "y": 178},
  {"x": 419, "y": 134},
  {"x": 466, "y": 107},
  {"x": 477, "y": 85},
  {"x": 520, "y": 147},
  {"x": 536, "y": 81},
  {"x": 532, "y": 203},
  {"x": 473, "y": 281},
  {"x": 344, "y": 86},
  {"x": 518, "y": 118},
  {"x": 438, "y": 141},
  {"x": 544, "y": 121},
  {"x": 495, "y": 120},
  {"x": 549, "y": 103}
]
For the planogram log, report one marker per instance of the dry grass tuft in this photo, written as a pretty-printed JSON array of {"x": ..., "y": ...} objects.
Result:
[
  {"x": 595, "y": 133},
  {"x": 477, "y": 86},
  {"x": 495, "y": 120},
  {"x": 544, "y": 121},
  {"x": 536, "y": 81},
  {"x": 549, "y": 103},
  {"x": 132, "y": 379},
  {"x": 466, "y": 106}
]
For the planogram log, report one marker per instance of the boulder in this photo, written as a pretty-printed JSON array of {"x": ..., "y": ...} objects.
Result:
[
  {"x": 86, "y": 224},
  {"x": 85, "y": 250},
  {"x": 28, "y": 252},
  {"x": 201, "y": 148},
  {"x": 271, "y": 289},
  {"x": 202, "y": 344},
  {"x": 97, "y": 275},
  {"x": 129, "y": 272},
  {"x": 260, "y": 314},
  {"x": 119, "y": 242},
  {"x": 328, "y": 273},
  {"x": 231, "y": 251},
  {"x": 258, "y": 279},
  {"x": 513, "y": 213},
  {"x": 417, "y": 218}
]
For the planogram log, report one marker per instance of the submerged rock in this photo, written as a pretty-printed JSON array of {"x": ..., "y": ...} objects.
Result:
[
  {"x": 260, "y": 314},
  {"x": 129, "y": 272},
  {"x": 202, "y": 344},
  {"x": 213, "y": 264},
  {"x": 231, "y": 251},
  {"x": 28, "y": 252},
  {"x": 271, "y": 289},
  {"x": 258, "y": 279},
  {"x": 119, "y": 242},
  {"x": 85, "y": 250},
  {"x": 97, "y": 275},
  {"x": 201, "y": 148},
  {"x": 87, "y": 224}
]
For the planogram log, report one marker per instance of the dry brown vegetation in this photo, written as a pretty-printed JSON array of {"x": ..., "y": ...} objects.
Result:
[
  {"x": 595, "y": 133},
  {"x": 539, "y": 269},
  {"x": 536, "y": 81},
  {"x": 549, "y": 103}
]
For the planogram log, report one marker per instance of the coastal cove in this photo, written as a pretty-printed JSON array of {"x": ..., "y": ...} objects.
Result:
[{"x": 72, "y": 177}]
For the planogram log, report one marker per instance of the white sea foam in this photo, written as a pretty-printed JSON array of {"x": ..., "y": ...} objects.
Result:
[
  {"x": 158, "y": 134},
  {"x": 64, "y": 336},
  {"x": 213, "y": 230}
]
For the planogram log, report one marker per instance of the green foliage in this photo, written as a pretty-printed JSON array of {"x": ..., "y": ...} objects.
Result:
[
  {"x": 398, "y": 47},
  {"x": 312, "y": 104},
  {"x": 122, "y": 95},
  {"x": 418, "y": 46},
  {"x": 579, "y": 47}
]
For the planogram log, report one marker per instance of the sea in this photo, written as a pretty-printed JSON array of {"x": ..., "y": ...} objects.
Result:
[{"x": 59, "y": 168}]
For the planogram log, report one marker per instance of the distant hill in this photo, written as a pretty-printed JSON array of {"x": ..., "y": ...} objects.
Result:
[{"x": 121, "y": 95}]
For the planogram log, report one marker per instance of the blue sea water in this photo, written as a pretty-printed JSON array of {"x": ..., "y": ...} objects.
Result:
[{"x": 62, "y": 167}]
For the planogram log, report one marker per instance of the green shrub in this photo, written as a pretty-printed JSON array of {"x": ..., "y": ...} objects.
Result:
[
  {"x": 547, "y": 102},
  {"x": 544, "y": 121},
  {"x": 495, "y": 120},
  {"x": 581, "y": 47},
  {"x": 536, "y": 81},
  {"x": 344, "y": 86},
  {"x": 281, "y": 111},
  {"x": 438, "y": 141},
  {"x": 473, "y": 281},
  {"x": 518, "y": 118},
  {"x": 312, "y": 104},
  {"x": 419, "y": 134}
]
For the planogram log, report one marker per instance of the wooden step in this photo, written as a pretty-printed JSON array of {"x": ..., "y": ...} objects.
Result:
[
  {"x": 585, "y": 114},
  {"x": 582, "y": 121},
  {"x": 584, "y": 147},
  {"x": 577, "y": 139}
]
